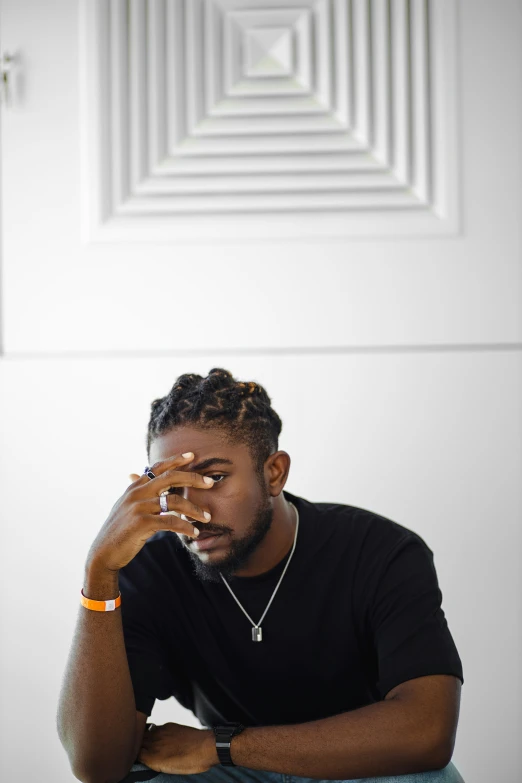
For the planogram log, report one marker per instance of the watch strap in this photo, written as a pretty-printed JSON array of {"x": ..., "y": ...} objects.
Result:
[{"x": 224, "y": 733}]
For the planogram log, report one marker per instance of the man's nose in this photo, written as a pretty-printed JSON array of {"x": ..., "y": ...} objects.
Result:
[{"x": 196, "y": 496}]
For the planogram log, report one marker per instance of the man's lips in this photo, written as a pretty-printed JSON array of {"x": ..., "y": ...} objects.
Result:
[
  {"x": 207, "y": 541},
  {"x": 205, "y": 534}
]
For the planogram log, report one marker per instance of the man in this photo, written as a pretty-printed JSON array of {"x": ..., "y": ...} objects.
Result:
[{"x": 315, "y": 629}]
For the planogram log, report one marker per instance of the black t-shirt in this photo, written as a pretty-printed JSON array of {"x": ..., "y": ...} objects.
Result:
[{"x": 358, "y": 612}]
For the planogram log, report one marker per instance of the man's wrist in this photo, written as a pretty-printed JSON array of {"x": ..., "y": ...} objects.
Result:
[
  {"x": 99, "y": 583},
  {"x": 209, "y": 742}
]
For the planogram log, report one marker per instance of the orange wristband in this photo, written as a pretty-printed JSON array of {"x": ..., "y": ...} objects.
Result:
[{"x": 100, "y": 606}]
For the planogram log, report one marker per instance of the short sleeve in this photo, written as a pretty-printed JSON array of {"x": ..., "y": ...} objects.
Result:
[
  {"x": 149, "y": 673},
  {"x": 409, "y": 629}
]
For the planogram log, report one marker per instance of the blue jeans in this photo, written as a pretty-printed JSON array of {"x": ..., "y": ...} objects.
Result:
[{"x": 220, "y": 774}]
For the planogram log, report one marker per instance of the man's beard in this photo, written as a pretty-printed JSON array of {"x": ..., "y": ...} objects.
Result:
[{"x": 239, "y": 551}]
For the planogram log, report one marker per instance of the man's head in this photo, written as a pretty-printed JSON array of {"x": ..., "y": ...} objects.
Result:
[{"x": 219, "y": 417}]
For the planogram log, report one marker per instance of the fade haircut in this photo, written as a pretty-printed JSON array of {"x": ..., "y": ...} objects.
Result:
[{"x": 241, "y": 411}]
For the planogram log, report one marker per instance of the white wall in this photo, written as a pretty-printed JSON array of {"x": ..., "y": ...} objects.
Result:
[
  {"x": 387, "y": 348},
  {"x": 432, "y": 439}
]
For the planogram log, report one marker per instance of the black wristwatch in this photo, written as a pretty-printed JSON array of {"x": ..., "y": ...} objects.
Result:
[{"x": 224, "y": 733}]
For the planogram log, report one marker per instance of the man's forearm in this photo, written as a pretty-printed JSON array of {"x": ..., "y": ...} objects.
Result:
[{"x": 385, "y": 738}]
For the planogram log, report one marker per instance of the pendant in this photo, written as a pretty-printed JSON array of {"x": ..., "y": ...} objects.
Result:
[{"x": 257, "y": 634}]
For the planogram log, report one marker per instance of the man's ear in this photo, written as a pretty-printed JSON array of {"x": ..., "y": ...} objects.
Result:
[{"x": 277, "y": 468}]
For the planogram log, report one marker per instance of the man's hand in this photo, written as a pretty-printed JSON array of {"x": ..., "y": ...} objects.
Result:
[{"x": 178, "y": 750}]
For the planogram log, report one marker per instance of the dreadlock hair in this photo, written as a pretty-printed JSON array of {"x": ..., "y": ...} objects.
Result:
[{"x": 241, "y": 410}]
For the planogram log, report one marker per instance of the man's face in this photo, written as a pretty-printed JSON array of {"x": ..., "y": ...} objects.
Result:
[{"x": 241, "y": 508}]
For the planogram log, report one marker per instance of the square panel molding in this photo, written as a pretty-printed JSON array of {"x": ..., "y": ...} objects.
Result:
[
  {"x": 268, "y": 51},
  {"x": 217, "y": 119}
]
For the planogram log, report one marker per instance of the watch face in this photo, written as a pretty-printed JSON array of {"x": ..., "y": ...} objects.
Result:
[
  {"x": 228, "y": 730},
  {"x": 239, "y": 728}
]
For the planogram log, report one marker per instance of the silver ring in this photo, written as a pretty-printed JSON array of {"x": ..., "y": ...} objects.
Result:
[
  {"x": 151, "y": 726},
  {"x": 163, "y": 503},
  {"x": 148, "y": 472}
]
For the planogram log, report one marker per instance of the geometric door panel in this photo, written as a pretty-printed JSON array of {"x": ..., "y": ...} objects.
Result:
[{"x": 309, "y": 118}]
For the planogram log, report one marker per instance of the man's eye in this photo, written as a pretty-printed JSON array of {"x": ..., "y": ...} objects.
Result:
[{"x": 179, "y": 490}]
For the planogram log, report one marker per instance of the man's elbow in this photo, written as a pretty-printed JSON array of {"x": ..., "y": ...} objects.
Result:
[
  {"x": 430, "y": 747},
  {"x": 97, "y": 776},
  {"x": 440, "y": 754}
]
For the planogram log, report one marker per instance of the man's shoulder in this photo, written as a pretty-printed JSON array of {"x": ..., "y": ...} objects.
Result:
[{"x": 373, "y": 528}]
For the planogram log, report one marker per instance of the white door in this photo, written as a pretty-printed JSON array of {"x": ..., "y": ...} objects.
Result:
[{"x": 229, "y": 174}]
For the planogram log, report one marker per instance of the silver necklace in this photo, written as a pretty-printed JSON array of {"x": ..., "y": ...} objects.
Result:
[{"x": 257, "y": 631}]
